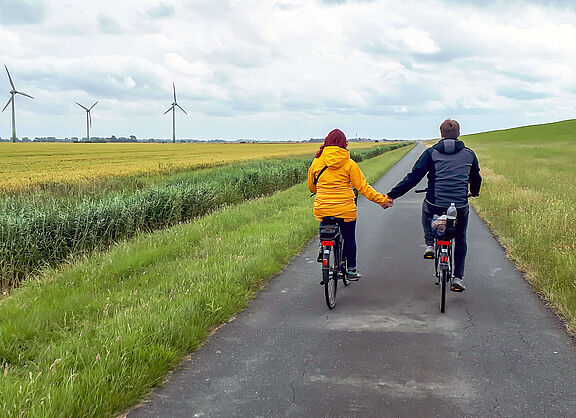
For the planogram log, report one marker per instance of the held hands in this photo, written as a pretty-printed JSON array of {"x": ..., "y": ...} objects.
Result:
[{"x": 389, "y": 202}]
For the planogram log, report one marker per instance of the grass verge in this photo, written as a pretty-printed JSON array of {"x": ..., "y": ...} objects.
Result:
[
  {"x": 528, "y": 199},
  {"x": 92, "y": 338}
]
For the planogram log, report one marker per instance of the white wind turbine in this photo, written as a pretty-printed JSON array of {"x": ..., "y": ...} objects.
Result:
[
  {"x": 88, "y": 119},
  {"x": 13, "y": 92},
  {"x": 173, "y": 109}
]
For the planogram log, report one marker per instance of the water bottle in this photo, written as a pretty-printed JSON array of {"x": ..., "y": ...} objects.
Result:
[{"x": 451, "y": 212}]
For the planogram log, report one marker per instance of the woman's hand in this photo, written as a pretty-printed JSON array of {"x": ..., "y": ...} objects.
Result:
[{"x": 389, "y": 202}]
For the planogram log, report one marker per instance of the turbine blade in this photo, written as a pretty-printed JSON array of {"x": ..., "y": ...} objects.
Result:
[
  {"x": 181, "y": 108},
  {"x": 174, "y": 87},
  {"x": 80, "y": 105},
  {"x": 9, "y": 100},
  {"x": 10, "y": 78},
  {"x": 171, "y": 107},
  {"x": 91, "y": 107},
  {"x": 24, "y": 94}
]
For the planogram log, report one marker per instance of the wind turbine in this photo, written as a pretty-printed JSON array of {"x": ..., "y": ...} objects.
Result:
[
  {"x": 13, "y": 92},
  {"x": 173, "y": 109},
  {"x": 88, "y": 119}
]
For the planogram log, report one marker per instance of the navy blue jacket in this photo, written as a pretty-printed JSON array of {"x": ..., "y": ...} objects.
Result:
[{"x": 451, "y": 166}]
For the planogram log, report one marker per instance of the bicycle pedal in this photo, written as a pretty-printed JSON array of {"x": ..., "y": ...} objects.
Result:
[{"x": 428, "y": 257}]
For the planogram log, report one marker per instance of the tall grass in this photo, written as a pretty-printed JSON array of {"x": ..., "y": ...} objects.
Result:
[
  {"x": 528, "y": 198},
  {"x": 92, "y": 338},
  {"x": 39, "y": 233}
]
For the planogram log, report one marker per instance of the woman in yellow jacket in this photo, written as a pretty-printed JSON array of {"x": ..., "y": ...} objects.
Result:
[{"x": 334, "y": 191}]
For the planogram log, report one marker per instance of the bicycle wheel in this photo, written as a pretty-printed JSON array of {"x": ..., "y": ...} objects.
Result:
[
  {"x": 331, "y": 282},
  {"x": 443, "y": 285}
]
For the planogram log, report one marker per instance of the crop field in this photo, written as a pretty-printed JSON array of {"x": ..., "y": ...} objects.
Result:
[
  {"x": 529, "y": 199},
  {"x": 24, "y": 165},
  {"x": 45, "y": 226}
]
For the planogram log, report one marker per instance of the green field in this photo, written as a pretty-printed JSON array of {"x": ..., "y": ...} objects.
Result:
[
  {"x": 91, "y": 338},
  {"x": 45, "y": 226},
  {"x": 528, "y": 198}
]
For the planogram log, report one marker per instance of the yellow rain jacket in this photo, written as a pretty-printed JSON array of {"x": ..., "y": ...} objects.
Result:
[{"x": 334, "y": 194}]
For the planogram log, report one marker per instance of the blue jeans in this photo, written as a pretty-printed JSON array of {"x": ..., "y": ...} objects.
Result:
[
  {"x": 460, "y": 246},
  {"x": 349, "y": 234}
]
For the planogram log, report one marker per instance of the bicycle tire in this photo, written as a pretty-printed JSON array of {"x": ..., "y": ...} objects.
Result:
[
  {"x": 443, "y": 284},
  {"x": 331, "y": 285}
]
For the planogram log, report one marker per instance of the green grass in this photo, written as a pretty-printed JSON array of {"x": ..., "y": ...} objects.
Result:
[
  {"x": 91, "y": 339},
  {"x": 528, "y": 198}
]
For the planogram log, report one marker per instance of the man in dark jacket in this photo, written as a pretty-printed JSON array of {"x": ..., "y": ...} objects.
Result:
[{"x": 451, "y": 168}]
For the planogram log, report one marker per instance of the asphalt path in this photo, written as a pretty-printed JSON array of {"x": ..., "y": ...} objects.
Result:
[{"x": 385, "y": 350}]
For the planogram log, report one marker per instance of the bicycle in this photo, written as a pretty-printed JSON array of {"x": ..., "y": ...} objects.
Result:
[
  {"x": 443, "y": 228},
  {"x": 333, "y": 263}
]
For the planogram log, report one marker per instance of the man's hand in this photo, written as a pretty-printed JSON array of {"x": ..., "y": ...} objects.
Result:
[{"x": 389, "y": 202}]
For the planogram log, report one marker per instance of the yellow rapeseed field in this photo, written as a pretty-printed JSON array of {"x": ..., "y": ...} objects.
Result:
[{"x": 23, "y": 165}]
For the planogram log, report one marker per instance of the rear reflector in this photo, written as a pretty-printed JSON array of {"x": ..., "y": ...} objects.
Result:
[
  {"x": 325, "y": 262},
  {"x": 327, "y": 243}
]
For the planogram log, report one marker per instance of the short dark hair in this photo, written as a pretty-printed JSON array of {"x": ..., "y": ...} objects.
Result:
[{"x": 450, "y": 129}]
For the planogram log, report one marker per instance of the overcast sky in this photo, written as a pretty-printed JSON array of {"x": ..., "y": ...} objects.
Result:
[{"x": 286, "y": 69}]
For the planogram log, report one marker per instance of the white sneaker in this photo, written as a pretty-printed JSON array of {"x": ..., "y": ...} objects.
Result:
[
  {"x": 429, "y": 253},
  {"x": 457, "y": 285}
]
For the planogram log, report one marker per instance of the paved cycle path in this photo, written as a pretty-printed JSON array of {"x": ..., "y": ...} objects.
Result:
[{"x": 385, "y": 350}]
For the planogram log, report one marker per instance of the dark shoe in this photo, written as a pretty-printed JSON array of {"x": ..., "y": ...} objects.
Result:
[
  {"x": 320, "y": 256},
  {"x": 457, "y": 285},
  {"x": 353, "y": 275},
  {"x": 429, "y": 253}
]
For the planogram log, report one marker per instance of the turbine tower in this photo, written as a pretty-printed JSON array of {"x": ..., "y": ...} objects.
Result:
[
  {"x": 173, "y": 109},
  {"x": 13, "y": 93},
  {"x": 88, "y": 119}
]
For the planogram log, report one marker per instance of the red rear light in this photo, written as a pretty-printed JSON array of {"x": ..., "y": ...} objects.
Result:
[
  {"x": 327, "y": 243},
  {"x": 446, "y": 242},
  {"x": 439, "y": 242},
  {"x": 325, "y": 262},
  {"x": 444, "y": 259}
]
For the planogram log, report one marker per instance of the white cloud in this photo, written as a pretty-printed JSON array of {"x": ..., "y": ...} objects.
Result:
[{"x": 274, "y": 68}]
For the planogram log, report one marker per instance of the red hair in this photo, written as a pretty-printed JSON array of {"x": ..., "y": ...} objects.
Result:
[{"x": 335, "y": 138}]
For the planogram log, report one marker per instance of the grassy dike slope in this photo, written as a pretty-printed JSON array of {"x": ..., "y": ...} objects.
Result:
[
  {"x": 91, "y": 339},
  {"x": 529, "y": 200}
]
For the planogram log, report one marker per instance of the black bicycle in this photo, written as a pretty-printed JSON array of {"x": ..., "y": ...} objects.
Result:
[
  {"x": 443, "y": 265},
  {"x": 333, "y": 263},
  {"x": 443, "y": 228}
]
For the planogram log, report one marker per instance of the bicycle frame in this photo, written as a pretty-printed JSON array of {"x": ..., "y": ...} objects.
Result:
[
  {"x": 333, "y": 263},
  {"x": 443, "y": 259},
  {"x": 329, "y": 246}
]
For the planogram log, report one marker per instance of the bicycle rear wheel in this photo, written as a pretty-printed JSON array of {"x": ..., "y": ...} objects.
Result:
[
  {"x": 443, "y": 285},
  {"x": 331, "y": 282}
]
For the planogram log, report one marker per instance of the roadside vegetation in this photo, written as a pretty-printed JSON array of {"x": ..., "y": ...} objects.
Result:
[
  {"x": 92, "y": 338},
  {"x": 47, "y": 228},
  {"x": 528, "y": 198},
  {"x": 48, "y": 165}
]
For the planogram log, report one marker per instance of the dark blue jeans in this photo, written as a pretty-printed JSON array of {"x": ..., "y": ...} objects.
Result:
[
  {"x": 460, "y": 246},
  {"x": 349, "y": 234}
]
